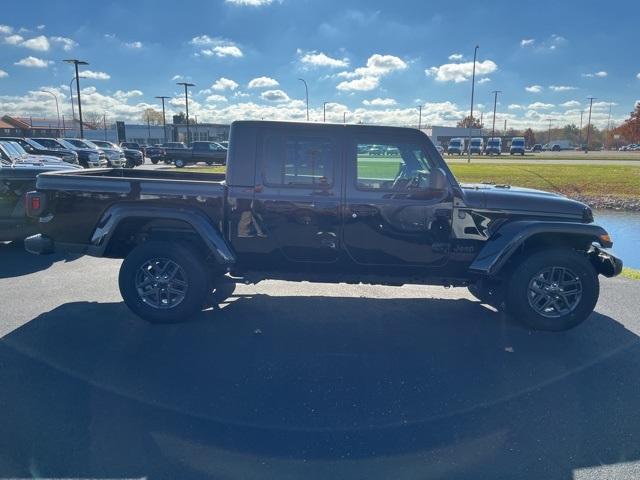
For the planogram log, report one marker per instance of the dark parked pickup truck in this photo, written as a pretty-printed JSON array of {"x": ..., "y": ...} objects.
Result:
[
  {"x": 309, "y": 202},
  {"x": 208, "y": 152}
]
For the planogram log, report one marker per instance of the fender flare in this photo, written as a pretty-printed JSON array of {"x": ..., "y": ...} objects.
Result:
[
  {"x": 203, "y": 226},
  {"x": 506, "y": 240}
]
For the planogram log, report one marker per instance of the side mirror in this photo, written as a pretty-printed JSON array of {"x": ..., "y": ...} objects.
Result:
[{"x": 438, "y": 180}]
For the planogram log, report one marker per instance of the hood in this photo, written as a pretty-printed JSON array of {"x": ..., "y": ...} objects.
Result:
[
  {"x": 522, "y": 200},
  {"x": 42, "y": 167},
  {"x": 41, "y": 160}
]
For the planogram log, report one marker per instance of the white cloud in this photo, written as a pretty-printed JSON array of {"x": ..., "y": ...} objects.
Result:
[
  {"x": 67, "y": 43},
  {"x": 380, "y": 102},
  {"x": 484, "y": 80},
  {"x": 263, "y": 82},
  {"x": 368, "y": 77},
  {"x": 250, "y": 3},
  {"x": 224, "y": 84},
  {"x": 603, "y": 105},
  {"x": 320, "y": 59},
  {"x": 533, "y": 88},
  {"x": 362, "y": 84},
  {"x": 561, "y": 88},
  {"x": 41, "y": 27},
  {"x": 600, "y": 74},
  {"x": 218, "y": 47},
  {"x": 456, "y": 57},
  {"x": 223, "y": 51},
  {"x": 40, "y": 43},
  {"x": 274, "y": 96},
  {"x": 124, "y": 96},
  {"x": 177, "y": 77},
  {"x": 95, "y": 75},
  {"x": 14, "y": 39},
  {"x": 540, "y": 106},
  {"x": 460, "y": 72},
  {"x": 638, "y": 76},
  {"x": 216, "y": 98},
  {"x": 515, "y": 106},
  {"x": 33, "y": 62},
  {"x": 570, "y": 104},
  {"x": 133, "y": 45},
  {"x": 6, "y": 29},
  {"x": 525, "y": 42},
  {"x": 3, "y": 74}
]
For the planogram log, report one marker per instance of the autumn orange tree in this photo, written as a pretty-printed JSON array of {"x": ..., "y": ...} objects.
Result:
[{"x": 630, "y": 128}]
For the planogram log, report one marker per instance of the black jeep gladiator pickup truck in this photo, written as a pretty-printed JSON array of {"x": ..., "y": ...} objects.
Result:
[{"x": 304, "y": 201}]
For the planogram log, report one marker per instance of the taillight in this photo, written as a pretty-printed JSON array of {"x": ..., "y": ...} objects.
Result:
[{"x": 34, "y": 204}]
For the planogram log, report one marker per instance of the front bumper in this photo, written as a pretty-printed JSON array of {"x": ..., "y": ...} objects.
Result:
[
  {"x": 605, "y": 262},
  {"x": 39, "y": 244}
]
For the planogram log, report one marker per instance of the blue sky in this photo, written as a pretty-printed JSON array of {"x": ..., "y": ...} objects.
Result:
[{"x": 375, "y": 59}]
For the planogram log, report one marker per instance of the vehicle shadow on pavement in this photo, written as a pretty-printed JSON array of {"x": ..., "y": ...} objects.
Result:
[
  {"x": 315, "y": 387},
  {"x": 15, "y": 262}
]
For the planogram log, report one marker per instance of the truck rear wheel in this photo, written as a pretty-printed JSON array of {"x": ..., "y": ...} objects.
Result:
[
  {"x": 179, "y": 163},
  {"x": 553, "y": 290},
  {"x": 163, "y": 282}
]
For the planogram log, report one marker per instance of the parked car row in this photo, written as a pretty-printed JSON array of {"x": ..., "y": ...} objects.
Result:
[
  {"x": 477, "y": 146},
  {"x": 632, "y": 147},
  {"x": 18, "y": 172},
  {"x": 86, "y": 153}
]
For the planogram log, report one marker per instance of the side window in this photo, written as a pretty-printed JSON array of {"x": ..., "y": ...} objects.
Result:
[
  {"x": 298, "y": 161},
  {"x": 392, "y": 167}
]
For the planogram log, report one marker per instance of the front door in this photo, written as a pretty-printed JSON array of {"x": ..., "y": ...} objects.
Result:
[
  {"x": 392, "y": 216},
  {"x": 296, "y": 204}
]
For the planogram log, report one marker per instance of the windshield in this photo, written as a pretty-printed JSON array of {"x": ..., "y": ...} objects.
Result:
[
  {"x": 103, "y": 144},
  {"x": 79, "y": 143},
  {"x": 51, "y": 143},
  {"x": 18, "y": 148},
  {"x": 67, "y": 144},
  {"x": 493, "y": 143},
  {"x": 476, "y": 142},
  {"x": 517, "y": 142}
]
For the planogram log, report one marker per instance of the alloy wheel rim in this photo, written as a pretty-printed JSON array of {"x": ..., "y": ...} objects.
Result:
[
  {"x": 161, "y": 283},
  {"x": 554, "y": 292}
]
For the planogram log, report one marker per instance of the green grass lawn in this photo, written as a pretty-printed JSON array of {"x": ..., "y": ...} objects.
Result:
[
  {"x": 565, "y": 155},
  {"x": 589, "y": 180},
  {"x": 631, "y": 273}
]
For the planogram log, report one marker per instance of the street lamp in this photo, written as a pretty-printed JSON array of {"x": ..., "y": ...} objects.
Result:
[
  {"x": 586, "y": 147},
  {"x": 306, "y": 89},
  {"x": 73, "y": 112},
  {"x": 344, "y": 117},
  {"x": 57, "y": 109},
  {"x": 419, "y": 117},
  {"x": 77, "y": 62},
  {"x": 186, "y": 100},
  {"x": 324, "y": 111},
  {"x": 473, "y": 84},
  {"x": 549, "y": 134},
  {"x": 164, "y": 120},
  {"x": 495, "y": 102}
]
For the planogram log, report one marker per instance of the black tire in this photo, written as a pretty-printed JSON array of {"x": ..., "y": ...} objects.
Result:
[
  {"x": 209, "y": 162},
  {"x": 179, "y": 163},
  {"x": 193, "y": 273},
  {"x": 154, "y": 161},
  {"x": 528, "y": 276}
]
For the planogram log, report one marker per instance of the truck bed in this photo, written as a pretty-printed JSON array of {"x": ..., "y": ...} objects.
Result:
[{"x": 81, "y": 199}]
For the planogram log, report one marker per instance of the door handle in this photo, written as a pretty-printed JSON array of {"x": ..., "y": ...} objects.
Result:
[{"x": 363, "y": 211}]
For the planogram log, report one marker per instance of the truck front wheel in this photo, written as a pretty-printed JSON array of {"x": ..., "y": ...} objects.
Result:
[
  {"x": 163, "y": 282},
  {"x": 553, "y": 289},
  {"x": 179, "y": 163}
]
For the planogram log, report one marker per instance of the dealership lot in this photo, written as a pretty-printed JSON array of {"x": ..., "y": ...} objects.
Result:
[{"x": 295, "y": 379}]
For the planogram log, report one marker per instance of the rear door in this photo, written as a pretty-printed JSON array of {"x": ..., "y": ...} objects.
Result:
[
  {"x": 297, "y": 199},
  {"x": 392, "y": 216}
]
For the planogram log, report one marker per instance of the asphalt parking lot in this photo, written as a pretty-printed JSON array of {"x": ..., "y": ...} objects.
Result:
[{"x": 296, "y": 380}]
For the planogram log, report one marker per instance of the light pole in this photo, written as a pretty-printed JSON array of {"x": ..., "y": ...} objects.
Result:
[
  {"x": 57, "y": 109},
  {"x": 608, "y": 125},
  {"x": 164, "y": 120},
  {"x": 419, "y": 117},
  {"x": 77, "y": 62},
  {"x": 495, "y": 102},
  {"x": 473, "y": 84},
  {"x": 73, "y": 112},
  {"x": 104, "y": 120},
  {"x": 580, "y": 135},
  {"x": 324, "y": 112},
  {"x": 549, "y": 134},
  {"x": 186, "y": 101},
  {"x": 586, "y": 147},
  {"x": 344, "y": 117},
  {"x": 306, "y": 90}
]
